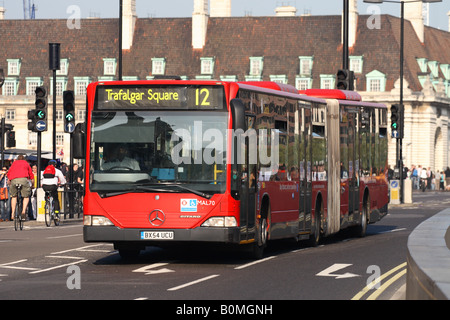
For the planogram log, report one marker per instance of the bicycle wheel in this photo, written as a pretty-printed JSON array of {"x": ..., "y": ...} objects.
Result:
[
  {"x": 18, "y": 222},
  {"x": 55, "y": 216},
  {"x": 48, "y": 218}
]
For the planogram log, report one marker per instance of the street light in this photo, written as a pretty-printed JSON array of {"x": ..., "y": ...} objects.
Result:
[{"x": 399, "y": 140}]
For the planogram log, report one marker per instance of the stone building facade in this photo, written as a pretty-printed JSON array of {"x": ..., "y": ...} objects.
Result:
[{"x": 301, "y": 50}]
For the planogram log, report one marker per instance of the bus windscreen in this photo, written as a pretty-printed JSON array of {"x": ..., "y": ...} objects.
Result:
[{"x": 132, "y": 97}]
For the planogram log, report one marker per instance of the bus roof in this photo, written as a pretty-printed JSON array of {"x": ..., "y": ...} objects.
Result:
[
  {"x": 271, "y": 85},
  {"x": 332, "y": 94}
]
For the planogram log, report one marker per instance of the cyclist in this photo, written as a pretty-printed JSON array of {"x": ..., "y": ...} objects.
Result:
[
  {"x": 51, "y": 181},
  {"x": 19, "y": 173}
]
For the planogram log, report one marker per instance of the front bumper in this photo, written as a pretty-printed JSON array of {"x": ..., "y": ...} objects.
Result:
[{"x": 201, "y": 234}]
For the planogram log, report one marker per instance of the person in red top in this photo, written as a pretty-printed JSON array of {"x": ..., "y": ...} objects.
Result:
[{"x": 19, "y": 173}]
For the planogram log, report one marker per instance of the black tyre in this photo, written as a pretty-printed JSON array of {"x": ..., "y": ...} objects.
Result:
[
  {"x": 48, "y": 218},
  {"x": 262, "y": 236},
  {"x": 314, "y": 238}
]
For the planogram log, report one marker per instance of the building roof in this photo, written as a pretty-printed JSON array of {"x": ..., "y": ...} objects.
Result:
[{"x": 231, "y": 40}]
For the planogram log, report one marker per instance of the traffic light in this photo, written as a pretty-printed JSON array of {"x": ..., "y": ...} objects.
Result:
[
  {"x": 38, "y": 116},
  {"x": 10, "y": 139},
  {"x": 345, "y": 79},
  {"x": 397, "y": 121},
  {"x": 69, "y": 111}
]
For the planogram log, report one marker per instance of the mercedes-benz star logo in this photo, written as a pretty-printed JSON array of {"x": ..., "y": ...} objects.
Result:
[{"x": 157, "y": 218}]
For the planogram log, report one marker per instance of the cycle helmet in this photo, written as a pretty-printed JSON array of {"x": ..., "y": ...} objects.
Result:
[{"x": 53, "y": 162}]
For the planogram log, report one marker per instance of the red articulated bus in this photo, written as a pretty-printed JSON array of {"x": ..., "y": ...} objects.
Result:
[{"x": 173, "y": 161}]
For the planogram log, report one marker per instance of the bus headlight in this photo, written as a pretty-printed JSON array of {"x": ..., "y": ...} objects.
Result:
[
  {"x": 97, "y": 221},
  {"x": 220, "y": 222}
]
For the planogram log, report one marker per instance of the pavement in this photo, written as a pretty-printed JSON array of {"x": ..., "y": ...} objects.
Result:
[{"x": 39, "y": 223}]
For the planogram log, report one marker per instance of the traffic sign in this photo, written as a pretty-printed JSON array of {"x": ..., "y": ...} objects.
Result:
[
  {"x": 41, "y": 125},
  {"x": 70, "y": 127},
  {"x": 395, "y": 134}
]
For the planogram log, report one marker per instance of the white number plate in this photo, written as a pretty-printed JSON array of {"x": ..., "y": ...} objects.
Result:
[{"x": 156, "y": 235}]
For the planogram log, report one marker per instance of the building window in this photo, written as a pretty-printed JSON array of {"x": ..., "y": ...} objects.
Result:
[
  {"x": 61, "y": 85},
  {"x": 81, "y": 115},
  {"x": 356, "y": 63},
  {"x": 303, "y": 83},
  {"x": 445, "y": 68},
  {"x": 434, "y": 67},
  {"x": 327, "y": 81},
  {"x": 10, "y": 114},
  {"x": 376, "y": 81},
  {"x": 279, "y": 79},
  {"x": 59, "y": 138},
  {"x": 422, "y": 64},
  {"x": 10, "y": 87},
  {"x": 256, "y": 66},
  {"x": 158, "y": 66},
  {"x": 207, "y": 66},
  {"x": 81, "y": 84},
  {"x": 306, "y": 64},
  {"x": 32, "y": 84},
  {"x": 32, "y": 138},
  {"x": 13, "y": 67},
  {"x": 229, "y": 78},
  {"x": 63, "y": 67},
  {"x": 109, "y": 66},
  {"x": 59, "y": 114}
]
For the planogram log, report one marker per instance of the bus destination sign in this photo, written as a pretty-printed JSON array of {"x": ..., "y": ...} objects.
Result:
[{"x": 159, "y": 97}]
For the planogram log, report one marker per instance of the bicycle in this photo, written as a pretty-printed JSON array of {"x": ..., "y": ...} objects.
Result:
[
  {"x": 423, "y": 184},
  {"x": 50, "y": 210},
  {"x": 18, "y": 221}
]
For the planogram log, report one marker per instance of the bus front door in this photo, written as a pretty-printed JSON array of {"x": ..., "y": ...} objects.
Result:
[{"x": 248, "y": 184}]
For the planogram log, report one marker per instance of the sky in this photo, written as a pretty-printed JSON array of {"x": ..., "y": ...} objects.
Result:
[{"x": 57, "y": 9}]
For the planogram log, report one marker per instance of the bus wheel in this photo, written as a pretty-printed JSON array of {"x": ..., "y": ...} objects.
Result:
[
  {"x": 262, "y": 235},
  {"x": 360, "y": 229},
  {"x": 314, "y": 238}
]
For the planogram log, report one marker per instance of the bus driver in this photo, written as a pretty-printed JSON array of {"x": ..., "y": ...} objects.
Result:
[{"x": 118, "y": 159}]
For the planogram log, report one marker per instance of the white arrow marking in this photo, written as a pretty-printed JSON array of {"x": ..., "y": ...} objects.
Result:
[
  {"x": 147, "y": 269},
  {"x": 328, "y": 272}
]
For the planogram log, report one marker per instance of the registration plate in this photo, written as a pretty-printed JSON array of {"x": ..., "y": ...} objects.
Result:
[{"x": 156, "y": 235}]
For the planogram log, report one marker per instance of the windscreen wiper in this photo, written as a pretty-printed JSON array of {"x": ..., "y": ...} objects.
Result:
[
  {"x": 151, "y": 189},
  {"x": 196, "y": 192},
  {"x": 137, "y": 189}
]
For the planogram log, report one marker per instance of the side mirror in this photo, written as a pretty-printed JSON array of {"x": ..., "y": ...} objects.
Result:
[
  {"x": 238, "y": 114},
  {"x": 79, "y": 141}
]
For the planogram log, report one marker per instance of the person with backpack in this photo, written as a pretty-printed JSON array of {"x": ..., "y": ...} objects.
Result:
[{"x": 52, "y": 177}]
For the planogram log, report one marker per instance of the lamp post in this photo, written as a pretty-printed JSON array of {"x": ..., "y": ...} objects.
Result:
[{"x": 399, "y": 156}]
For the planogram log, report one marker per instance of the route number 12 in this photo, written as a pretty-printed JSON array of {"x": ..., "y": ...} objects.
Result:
[{"x": 201, "y": 97}]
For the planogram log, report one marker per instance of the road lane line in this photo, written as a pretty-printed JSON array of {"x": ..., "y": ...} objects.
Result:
[
  {"x": 193, "y": 282},
  {"x": 67, "y": 236},
  {"x": 381, "y": 289},
  {"x": 85, "y": 248},
  {"x": 8, "y": 265},
  {"x": 253, "y": 263},
  {"x": 57, "y": 267},
  {"x": 370, "y": 286}
]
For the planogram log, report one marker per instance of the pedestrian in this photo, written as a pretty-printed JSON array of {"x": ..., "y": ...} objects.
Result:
[
  {"x": 33, "y": 192},
  {"x": 414, "y": 177},
  {"x": 4, "y": 212},
  {"x": 441, "y": 181},
  {"x": 19, "y": 174},
  {"x": 447, "y": 176}
]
